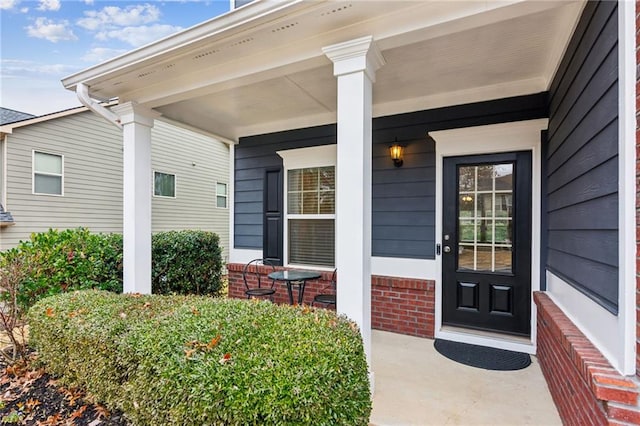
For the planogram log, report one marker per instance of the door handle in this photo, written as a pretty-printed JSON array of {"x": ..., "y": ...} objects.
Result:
[{"x": 447, "y": 249}]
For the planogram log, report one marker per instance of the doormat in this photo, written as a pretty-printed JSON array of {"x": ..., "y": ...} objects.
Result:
[{"x": 481, "y": 356}]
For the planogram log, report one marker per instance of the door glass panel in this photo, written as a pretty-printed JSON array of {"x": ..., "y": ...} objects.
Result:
[{"x": 485, "y": 217}]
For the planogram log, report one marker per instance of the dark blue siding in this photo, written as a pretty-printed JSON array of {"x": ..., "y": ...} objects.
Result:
[
  {"x": 403, "y": 199},
  {"x": 582, "y": 159},
  {"x": 253, "y": 157}
]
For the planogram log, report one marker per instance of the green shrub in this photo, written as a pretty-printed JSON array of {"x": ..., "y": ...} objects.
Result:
[
  {"x": 65, "y": 260},
  {"x": 186, "y": 262},
  {"x": 187, "y": 360}
]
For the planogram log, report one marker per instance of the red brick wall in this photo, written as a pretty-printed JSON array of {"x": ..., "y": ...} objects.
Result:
[
  {"x": 400, "y": 305},
  {"x": 403, "y": 305},
  {"x": 584, "y": 386},
  {"x": 313, "y": 287}
]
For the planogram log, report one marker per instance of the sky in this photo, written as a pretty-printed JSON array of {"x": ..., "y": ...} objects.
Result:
[{"x": 43, "y": 41}]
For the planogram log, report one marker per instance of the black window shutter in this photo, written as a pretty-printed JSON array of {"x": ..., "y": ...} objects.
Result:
[{"x": 272, "y": 228}]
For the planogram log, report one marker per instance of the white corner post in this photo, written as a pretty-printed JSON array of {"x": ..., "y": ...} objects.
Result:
[
  {"x": 354, "y": 64},
  {"x": 137, "y": 122}
]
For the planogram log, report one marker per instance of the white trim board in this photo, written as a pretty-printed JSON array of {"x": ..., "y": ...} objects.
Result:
[{"x": 495, "y": 138}]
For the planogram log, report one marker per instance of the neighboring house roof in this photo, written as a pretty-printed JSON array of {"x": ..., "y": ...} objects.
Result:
[
  {"x": 11, "y": 116},
  {"x": 5, "y": 217}
]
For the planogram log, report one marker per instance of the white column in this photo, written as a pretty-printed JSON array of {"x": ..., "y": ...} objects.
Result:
[
  {"x": 137, "y": 122},
  {"x": 355, "y": 63}
]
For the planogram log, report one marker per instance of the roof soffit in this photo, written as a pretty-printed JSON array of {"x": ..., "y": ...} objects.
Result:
[
  {"x": 270, "y": 72},
  {"x": 288, "y": 35}
]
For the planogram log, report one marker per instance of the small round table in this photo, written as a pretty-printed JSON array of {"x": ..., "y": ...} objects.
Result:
[{"x": 295, "y": 277}]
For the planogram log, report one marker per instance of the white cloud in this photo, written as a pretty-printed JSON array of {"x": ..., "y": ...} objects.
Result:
[
  {"x": 24, "y": 10},
  {"x": 88, "y": 2},
  {"x": 51, "y": 30},
  {"x": 101, "y": 54},
  {"x": 111, "y": 17},
  {"x": 18, "y": 68},
  {"x": 137, "y": 36},
  {"x": 8, "y": 4},
  {"x": 49, "y": 5}
]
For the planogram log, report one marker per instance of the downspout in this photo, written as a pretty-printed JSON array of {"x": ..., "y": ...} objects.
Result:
[{"x": 82, "y": 91}]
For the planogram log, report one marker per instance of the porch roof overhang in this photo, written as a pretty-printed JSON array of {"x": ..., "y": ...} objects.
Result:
[{"x": 261, "y": 68}]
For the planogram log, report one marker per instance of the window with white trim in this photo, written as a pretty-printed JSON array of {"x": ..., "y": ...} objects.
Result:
[
  {"x": 221, "y": 195},
  {"x": 310, "y": 188},
  {"x": 48, "y": 173},
  {"x": 164, "y": 184}
]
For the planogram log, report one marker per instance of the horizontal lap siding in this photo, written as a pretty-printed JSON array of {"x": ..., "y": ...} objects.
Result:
[
  {"x": 582, "y": 159},
  {"x": 253, "y": 157},
  {"x": 403, "y": 199},
  {"x": 92, "y": 150},
  {"x": 198, "y": 162}
]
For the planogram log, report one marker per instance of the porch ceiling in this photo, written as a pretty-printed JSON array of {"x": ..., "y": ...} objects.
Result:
[{"x": 261, "y": 67}]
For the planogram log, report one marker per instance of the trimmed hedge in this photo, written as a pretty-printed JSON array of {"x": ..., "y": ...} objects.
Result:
[
  {"x": 186, "y": 262},
  {"x": 183, "y": 262},
  {"x": 187, "y": 360},
  {"x": 58, "y": 261}
]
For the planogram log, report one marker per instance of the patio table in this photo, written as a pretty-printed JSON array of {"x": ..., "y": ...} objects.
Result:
[{"x": 298, "y": 278}]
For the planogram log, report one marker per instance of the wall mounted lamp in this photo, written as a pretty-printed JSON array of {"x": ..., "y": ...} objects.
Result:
[{"x": 396, "y": 151}]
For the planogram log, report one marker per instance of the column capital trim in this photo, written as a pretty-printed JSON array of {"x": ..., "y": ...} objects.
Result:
[
  {"x": 132, "y": 112},
  {"x": 356, "y": 55}
]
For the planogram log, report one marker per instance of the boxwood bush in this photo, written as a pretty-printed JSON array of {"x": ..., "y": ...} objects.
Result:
[
  {"x": 59, "y": 261},
  {"x": 183, "y": 262},
  {"x": 188, "y": 360},
  {"x": 186, "y": 262}
]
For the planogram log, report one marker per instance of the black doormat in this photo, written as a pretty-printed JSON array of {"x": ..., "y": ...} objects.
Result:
[{"x": 481, "y": 356}]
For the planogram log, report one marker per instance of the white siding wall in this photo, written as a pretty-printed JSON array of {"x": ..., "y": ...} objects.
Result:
[
  {"x": 92, "y": 150},
  {"x": 92, "y": 177},
  {"x": 175, "y": 151}
]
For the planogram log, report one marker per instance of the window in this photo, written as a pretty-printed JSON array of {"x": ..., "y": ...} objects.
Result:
[
  {"x": 311, "y": 215},
  {"x": 164, "y": 185},
  {"x": 310, "y": 187},
  {"x": 221, "y": 195},
  {"x": 47, "y": 173}
]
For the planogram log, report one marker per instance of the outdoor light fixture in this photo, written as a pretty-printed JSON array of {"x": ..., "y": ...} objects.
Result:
[{"x": 396, "y": 151}]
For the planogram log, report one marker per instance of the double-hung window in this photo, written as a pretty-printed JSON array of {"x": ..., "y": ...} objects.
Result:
[
  {"x": 221, "y": 195},
  {"x": 310, "y": 188},
  {"x": 48, "y": 173}
]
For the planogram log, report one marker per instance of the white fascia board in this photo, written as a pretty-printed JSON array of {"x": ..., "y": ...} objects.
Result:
[
  {"x": 8, "y": 128},
  {"x": 228, "y": 23}
]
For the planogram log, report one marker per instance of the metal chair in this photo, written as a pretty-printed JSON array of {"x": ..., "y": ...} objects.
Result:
[
  {"x": 259, "y": 286},
  {"x": 323, "y": 296}
]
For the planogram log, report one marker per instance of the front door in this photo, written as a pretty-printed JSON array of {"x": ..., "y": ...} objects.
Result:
[{"x": 486, "y": 241}]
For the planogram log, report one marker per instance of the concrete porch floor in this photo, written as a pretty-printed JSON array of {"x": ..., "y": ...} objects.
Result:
[{"x": 415, "y": 385}]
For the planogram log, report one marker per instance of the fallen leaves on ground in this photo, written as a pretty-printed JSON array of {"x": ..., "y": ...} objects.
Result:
[{"x": 30, "y": 396}]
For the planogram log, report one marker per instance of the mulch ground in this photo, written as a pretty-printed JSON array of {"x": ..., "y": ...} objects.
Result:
[{"x": 30, "y": 396}]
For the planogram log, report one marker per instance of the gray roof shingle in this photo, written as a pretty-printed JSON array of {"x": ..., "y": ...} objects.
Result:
[
  {"x": 11, "y": 116},
  {"x": 5, "y": 216}
]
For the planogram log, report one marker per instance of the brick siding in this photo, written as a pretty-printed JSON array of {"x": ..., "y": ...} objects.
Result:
[
  {"x": 586, "y": 389},
  {"x": 399, "y": 305}
]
